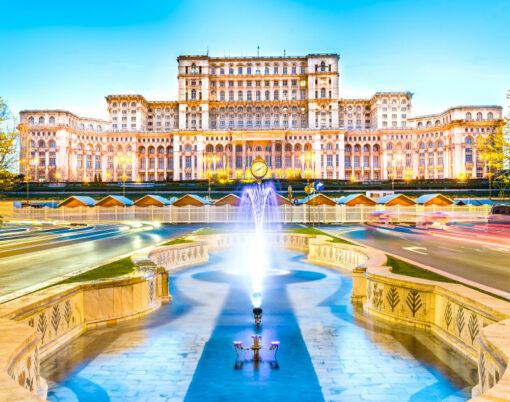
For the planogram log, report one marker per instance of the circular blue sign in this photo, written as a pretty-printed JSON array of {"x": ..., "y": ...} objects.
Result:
[
  {"x": 296, "y": 201},
  {"x": 318, "y": 185}
]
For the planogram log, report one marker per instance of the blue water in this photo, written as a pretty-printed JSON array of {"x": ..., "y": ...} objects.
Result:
[{"x": 329, "y": 349}]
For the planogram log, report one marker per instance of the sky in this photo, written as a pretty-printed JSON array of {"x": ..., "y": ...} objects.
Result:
[{"x": 70, "y": 55}]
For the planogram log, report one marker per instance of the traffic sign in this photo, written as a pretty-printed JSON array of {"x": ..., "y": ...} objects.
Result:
[
  {"x": 296, "y": 201},
  {"x": 318, "y": 185}
]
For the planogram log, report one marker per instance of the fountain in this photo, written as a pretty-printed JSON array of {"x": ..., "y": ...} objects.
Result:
[{"x": 259, "y": 204}]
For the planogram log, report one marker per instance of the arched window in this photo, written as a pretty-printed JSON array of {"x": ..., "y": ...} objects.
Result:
[
  {"x": 169, "y": 150},
  {"x": 376, "y": 148},
  {"x": 141, "y": 150},
  {"x": 41, "y": 144},
  {"x": 99, "y": 128},
  {"x": 110, "y": 149},
  {"x": 366, "y": 148},
  {"x": 161, "y": 150},
  {"x": 52, "y": 120},
  {"x": 468, "y": 116},
  {"x": 275, "y": 97},
  {"x": 97, "y": 148},
  {"x": 429, "y": 124},
  {"x": 53, "y": 144},
  {"x": 408, "y": 146},
  {"x": 297, "y": 148},
  {"x": 41, "y": 120},
  {"x": 119, "y": 149},
  {"x": 323, "y": 93},
  {"x": 193, "y": 94},
  {"x": 219, "y": 148},
  {"x": 30, "y": 120},
  {"x": 187, "y": 148},
  {"x": 152, "y": 150},
  {"x": 278, "y": 148},
  {"x": 133, "y": 104},
  {"x": 356, "y": 148},
  {"x": 440, "y": 144},
  {"x": 479, "y": 116},
  {"x": 193, "y": 68},
  {"x": 389, "y": 147},
  {"x": 329, "y": 147},
  {"x": 268, "y": 148},
  {"x": 420, "y": 124},
  {"x": 307, "y": 147},
  {"x": 79, "y": 147},
  {"x": 323, "y": 66},
  {"x": 438, "y": 123},
  {"x": 431, "y": 145},
  {"x": 422, "y": 145},
  {"x": 266, "y": 95},
  {"x": 90, "y": 127},
  {"x": 469, "y": 140},
  {"x": 490, "y": 116},
  {"x": 347, "y": 148},
  {"x": 209, "y": 148},
  {"x": 258, "y": 148}
]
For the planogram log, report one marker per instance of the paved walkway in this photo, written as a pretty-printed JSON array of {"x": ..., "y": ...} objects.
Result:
[{"x": 329, "y": 351}]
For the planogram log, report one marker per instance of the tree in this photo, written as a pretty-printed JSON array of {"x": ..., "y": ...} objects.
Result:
[
  {"x": 494, "y": 149},
  {"x": 8, "y": 149}
]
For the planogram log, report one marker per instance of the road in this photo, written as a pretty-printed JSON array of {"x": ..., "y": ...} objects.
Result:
[
  {"x": 27, "y": 263},
  {"x": 481, "y": 263}
]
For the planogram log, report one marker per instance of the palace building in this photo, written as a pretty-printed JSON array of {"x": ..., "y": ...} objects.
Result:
[{"x": 231, "y": 109}]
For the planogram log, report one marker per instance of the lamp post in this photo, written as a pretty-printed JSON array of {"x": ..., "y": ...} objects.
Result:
[
  {"x": 123, "y": 160},
  {"x": 397, "y": 158}
]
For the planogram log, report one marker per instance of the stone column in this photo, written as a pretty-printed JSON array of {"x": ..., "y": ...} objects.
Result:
[{"x": 359, "y": 284}]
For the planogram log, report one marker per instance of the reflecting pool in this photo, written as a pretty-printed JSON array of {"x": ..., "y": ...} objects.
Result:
[{"x": 330, "y": 350}]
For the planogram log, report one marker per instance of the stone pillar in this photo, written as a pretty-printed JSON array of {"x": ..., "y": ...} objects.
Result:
[
  {"x": 162, "y": 290},
  {"x": 359, "y": 284}
]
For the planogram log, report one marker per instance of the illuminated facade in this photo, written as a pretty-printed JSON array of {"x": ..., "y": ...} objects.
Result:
[{"x": 230, "y": 110}]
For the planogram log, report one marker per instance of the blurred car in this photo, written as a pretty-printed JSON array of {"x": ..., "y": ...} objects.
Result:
[{"x": 500, "y": 214}]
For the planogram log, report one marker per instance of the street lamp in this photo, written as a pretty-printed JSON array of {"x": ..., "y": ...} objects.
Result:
[
  {"x": 123, "y": 160},
  {"x": 397, "y": 158}
]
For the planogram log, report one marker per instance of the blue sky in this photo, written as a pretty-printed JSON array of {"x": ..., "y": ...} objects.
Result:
[{"x": 71, "y": 54}]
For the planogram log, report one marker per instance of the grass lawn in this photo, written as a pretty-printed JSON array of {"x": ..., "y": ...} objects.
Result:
[
  {"x": 179, "y": 240},
  {"x": 112, "y": 270},
  {"x": 404, "y": 268},
  {"x": 316, "y": 232},
  {"x": 209, "y": 231}
]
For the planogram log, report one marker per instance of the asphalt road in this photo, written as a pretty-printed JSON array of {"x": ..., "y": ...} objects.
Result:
[
  {"x": 483, "y": 264},
  {"x": 27, "y": 263}
]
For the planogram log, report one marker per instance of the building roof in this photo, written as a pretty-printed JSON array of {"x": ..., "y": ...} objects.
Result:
[
  {"x": 485, "y": 202},
  {"x": 227, "y": 199},
  {"x": 466, "y": 201},
  {"x": 158, "y": 198},
  {"x": 317, "y": 199},
  {"x": 389, "y": 197},
  {"x": 84, "y": 199},
  {"x": 120, "y": 198},
  {"x": 201, "y": 200},
  {"x": 427, "y": 197}
]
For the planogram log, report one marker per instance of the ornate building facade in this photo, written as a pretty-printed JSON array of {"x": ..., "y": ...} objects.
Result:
[{"x": 230, "y": 110}]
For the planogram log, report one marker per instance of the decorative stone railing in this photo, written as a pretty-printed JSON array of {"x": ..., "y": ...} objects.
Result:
[
  {"x": 474, "y": 323},
  {"x": 178, "y": 256},
  {"x": 338, "y": 255},
  {"x": 34, "y": 326}
]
